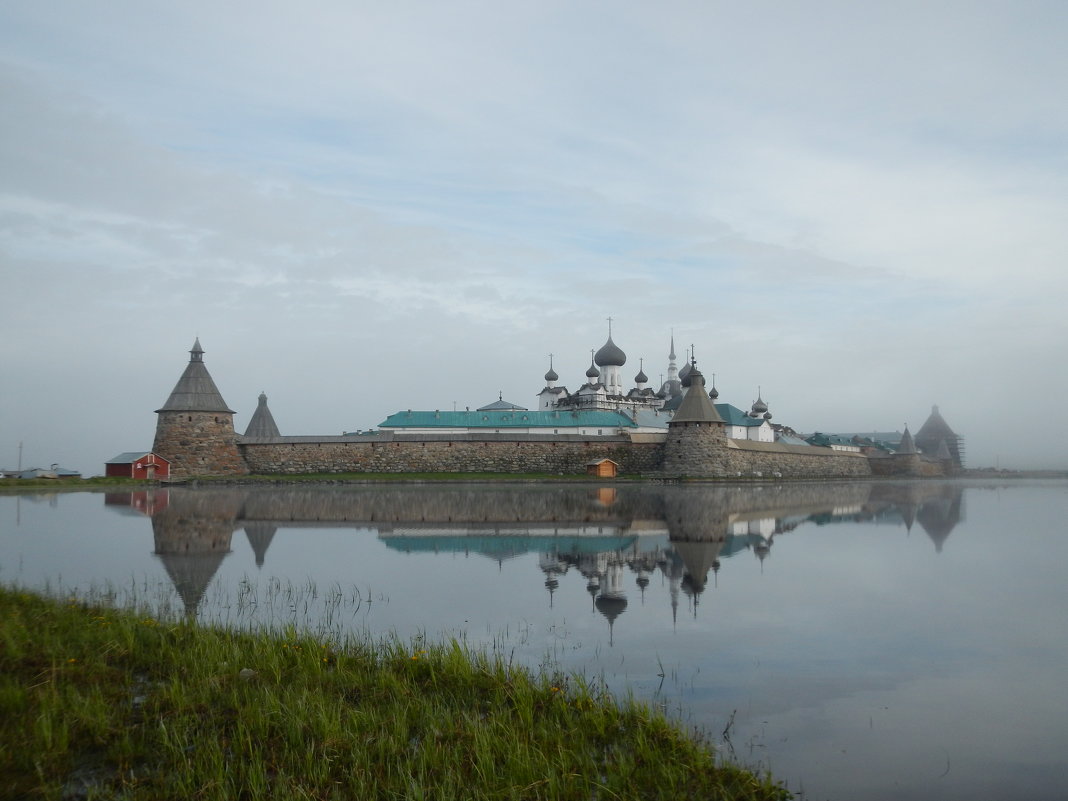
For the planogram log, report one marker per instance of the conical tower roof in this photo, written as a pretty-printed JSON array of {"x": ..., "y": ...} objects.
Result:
[
  {"x": 195, "y": 390},
  {"x": 696, "y": 406},
  {"x": 935, "y": 428},
  {"x": 907, "y": 445},
  {"x": 262, "y": 423}
]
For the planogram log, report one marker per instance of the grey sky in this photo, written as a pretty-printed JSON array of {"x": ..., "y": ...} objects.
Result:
[{"x": 362, "y": 207}]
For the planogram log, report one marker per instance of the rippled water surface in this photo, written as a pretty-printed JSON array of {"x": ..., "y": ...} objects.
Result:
[{"x": 860, "y": 640}]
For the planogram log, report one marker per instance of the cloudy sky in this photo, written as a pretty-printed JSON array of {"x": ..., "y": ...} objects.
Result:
[{"x": 362, "y": 207}]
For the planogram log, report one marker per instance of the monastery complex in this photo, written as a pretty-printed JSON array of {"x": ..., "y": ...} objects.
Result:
[{"x": 680, "y": 430}]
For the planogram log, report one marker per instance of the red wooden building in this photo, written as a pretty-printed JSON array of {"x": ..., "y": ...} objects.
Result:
[{"x": 138, "y": 464}]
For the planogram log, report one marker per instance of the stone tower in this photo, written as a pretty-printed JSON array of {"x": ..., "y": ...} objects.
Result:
[
  {"x": 696, "y": 443},
  {"x": 906, "y": 458},
  {"x": 195, "y": 427}
]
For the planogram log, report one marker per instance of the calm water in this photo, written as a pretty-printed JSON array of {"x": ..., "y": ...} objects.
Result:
[{"x": 861, "y": 641}]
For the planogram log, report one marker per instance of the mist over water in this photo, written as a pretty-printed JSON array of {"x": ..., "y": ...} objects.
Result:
[{"x": 860, "y": 640}]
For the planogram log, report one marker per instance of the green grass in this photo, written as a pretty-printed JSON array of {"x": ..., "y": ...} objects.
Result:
[
  {"x": 99, "y": 703},
  {"x": 72, "y": 483}
]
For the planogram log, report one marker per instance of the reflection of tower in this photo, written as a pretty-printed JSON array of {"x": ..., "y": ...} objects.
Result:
[
  {"x": 192, "y": 537},
  {"x": 259, "y": 537},
  {"x": 613, "y": 600},
  {"x": 642, "y": 581},
  {"x": 762, "y": 548},
  {"x": 940, "y": 516},
  {"x": 552, "y": 566},
  {"x": 697, "y": 558},
  {"x": 908, "y": 514},
  {"x": 191, "y": 551},
  {"x": 674, "y": 569}
]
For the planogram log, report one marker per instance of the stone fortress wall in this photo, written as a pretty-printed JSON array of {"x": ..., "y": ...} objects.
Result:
[
  {"x": 436, "y": 454},
  {"x": 195, "y": 433},
  {"x": 525, "y": 454}
]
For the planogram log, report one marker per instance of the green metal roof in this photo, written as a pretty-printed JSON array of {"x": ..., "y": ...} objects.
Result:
[
  {"x": 826, "y": 440},
  {"x": 508, "y": 419},
  {"x": 733, "y": 416},
  {"x": 507, "y": 546}
]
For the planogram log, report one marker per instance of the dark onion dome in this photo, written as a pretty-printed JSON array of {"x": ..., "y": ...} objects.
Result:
[
  {"x": 684, "y": 374},
  {"x": 610, "y": 355},
  {"x": 713, "y": 393},
  {"x": 593, "y": 372},
  {"x": 641, "y": 378},
  {"x": 759, "y": 407},
  {"x": 611, "y": 606},
  {"x": 767, "y": 415},
  {"x": 551, "y": 375}
]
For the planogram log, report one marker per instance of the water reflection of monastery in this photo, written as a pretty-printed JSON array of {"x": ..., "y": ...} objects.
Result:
[{"x": 615, "y": 540}]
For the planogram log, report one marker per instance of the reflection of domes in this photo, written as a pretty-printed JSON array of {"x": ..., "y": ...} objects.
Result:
[
  {"x": 611, "y": 606},
  {"x": 610, "y": 355}
]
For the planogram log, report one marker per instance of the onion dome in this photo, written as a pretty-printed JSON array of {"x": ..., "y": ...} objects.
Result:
[
  {"x": 551, "y": 375},
  {"x": 641, "y": 378},
  {"x": 713, "y": 393},
  {"x": 759, "y": 407},
  {"x": 610, "y": 355},
  {"x": 684, "y": 373},
  {"x": 767, "y": 415},
  {"x": 593, "y": 372}
]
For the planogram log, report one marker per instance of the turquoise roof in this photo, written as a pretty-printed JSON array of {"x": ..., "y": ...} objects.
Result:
[
  {"x": 827, "y": 440},
  {"x": 733, "y": 416},
  {"x": 507, "y": 546},
  {"x": 508, "y": 419}
]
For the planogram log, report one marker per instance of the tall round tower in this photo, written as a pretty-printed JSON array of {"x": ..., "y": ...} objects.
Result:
[
  {"x": 195, "y": 427},
  {"x": 696, "y": 443}
]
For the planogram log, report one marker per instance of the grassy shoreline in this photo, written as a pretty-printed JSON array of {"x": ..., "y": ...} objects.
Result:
[{"x": 101, "y": 703}]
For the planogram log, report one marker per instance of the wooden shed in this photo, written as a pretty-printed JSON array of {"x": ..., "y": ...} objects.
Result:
[
  {"x": 138, "y": 464},
  {"x": 602, "y": 468}
]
